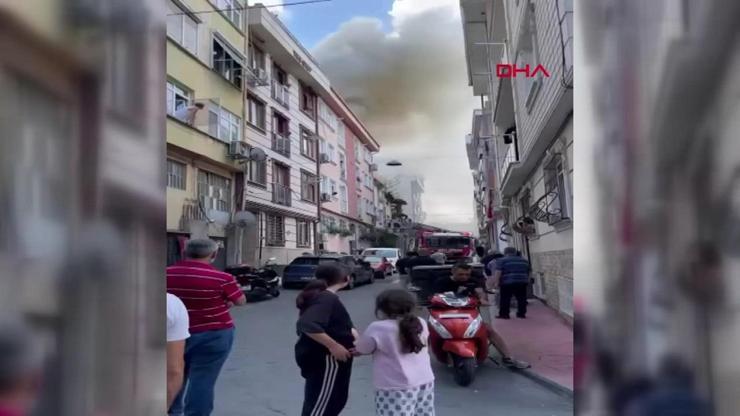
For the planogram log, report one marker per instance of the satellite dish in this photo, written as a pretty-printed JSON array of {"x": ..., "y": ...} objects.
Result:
[
  {"x": 244, "y": 218},
  {"x": 257, "y": 154}
]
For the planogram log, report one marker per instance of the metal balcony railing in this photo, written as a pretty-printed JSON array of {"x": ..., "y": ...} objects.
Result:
[
  {"x": 508, "y": 158},
  {"x": 281, "y": 195},
  {"x": 281, "y": 93},
  {"x": 281, "y": 144}
]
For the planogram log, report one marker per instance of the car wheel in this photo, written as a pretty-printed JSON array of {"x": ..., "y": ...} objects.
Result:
[
  {"x": 372, "y": 278},
  {"x": 351, "y": 284}
]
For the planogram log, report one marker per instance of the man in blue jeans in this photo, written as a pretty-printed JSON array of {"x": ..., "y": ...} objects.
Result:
[{"x": 208, "y": 294}]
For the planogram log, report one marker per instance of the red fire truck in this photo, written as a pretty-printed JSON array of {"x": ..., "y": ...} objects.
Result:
[{"x": 455, "y": 245}]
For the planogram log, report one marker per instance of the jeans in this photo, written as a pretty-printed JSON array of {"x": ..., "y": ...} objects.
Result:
[
  {"x": 518, "y": 290},
  {"x": 205, "y": 354}
]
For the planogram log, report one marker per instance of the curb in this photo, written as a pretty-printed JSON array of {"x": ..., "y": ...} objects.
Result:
[{"x": 546, "y": 382}]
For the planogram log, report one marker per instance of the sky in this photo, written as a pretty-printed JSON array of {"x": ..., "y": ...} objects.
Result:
[{"x": 400, "y": 64}]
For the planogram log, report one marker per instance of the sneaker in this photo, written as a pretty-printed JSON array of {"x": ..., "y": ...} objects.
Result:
[
  {"x": 512, "y": 363},
  {"x": 502, "y": 317}
]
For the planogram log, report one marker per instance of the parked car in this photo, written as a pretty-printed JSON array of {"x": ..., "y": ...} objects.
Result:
[
  {"x": 380, "y": 265},
  {"x": 392, "y": 254},
  {"x": 302, "y": 270}
]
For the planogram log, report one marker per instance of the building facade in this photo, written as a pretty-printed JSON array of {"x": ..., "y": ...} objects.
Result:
[
  {"x": 410, "y": 188},
  {"x": 530, "y": 138}
]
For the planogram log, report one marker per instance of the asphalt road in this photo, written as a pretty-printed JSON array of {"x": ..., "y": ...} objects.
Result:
[{"x": 261, "y": 377}]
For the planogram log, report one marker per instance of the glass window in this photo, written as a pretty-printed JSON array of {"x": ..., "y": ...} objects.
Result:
[
  {"x": 308, "y": 187},
  {"x": 177, "y": 98},
  {"x": 256, "y": 57},
  {"x": 303, "y": 232},
  {"x": 214, "y": 191},
  {"x": 258, "y": 172},
  {"x": 232, "y": 9},
  {"x": 257, "y": 112},
  {"x": 343, "y": 199},
  {"x": 223, "y": 124},
  {"x": 308, "y": 144},
  {"x": 176, "y": 172},
  {"x": 227, "y": 62},
  {"x": 275, "y": 230},
  {"x": 182, "y": 28}
]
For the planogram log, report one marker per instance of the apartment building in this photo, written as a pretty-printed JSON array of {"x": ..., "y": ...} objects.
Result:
[
  {"x": 348, "y": 181},
  {"x": 410, "y": 188},
  {"x": 665, "y": 186},
  {"x": 82, "y": 199},
  {"x": 531, "y": 133},
  {"x": 206, "y": 86}
]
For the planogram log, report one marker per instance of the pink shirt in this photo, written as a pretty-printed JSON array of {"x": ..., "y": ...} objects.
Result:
[{"x": 393, "y": 369}]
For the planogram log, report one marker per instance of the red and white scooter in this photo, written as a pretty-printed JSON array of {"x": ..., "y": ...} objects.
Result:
[{"x": 457, "y": 336}]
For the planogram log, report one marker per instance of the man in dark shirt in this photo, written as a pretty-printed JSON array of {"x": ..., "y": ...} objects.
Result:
[
  {"x": 423, "y": 259},
  {"x": 512, "y": 277},
  {"x": 402, "y": 266},
  {"x": 463, "y": 282}
]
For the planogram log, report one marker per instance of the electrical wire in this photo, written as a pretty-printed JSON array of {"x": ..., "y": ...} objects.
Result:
[{"x": 267, "y": 6}]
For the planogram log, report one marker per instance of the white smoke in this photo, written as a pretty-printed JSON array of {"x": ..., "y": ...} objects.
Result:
[{"x": 409, "y": 85}]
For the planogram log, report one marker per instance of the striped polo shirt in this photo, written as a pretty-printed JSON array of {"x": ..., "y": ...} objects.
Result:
[
  {"x": 514, "y": 269},
  {"x": 204, "y": 291}
]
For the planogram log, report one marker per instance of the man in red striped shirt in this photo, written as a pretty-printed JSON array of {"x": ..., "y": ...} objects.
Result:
[{"x": 207, "y": 294}]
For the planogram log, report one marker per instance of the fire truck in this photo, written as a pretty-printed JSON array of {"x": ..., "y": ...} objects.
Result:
[{"x": 455, "y": 245}]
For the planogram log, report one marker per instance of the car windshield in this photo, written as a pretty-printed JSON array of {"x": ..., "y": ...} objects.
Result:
[
  {"x": 448, "y": 242},
  {"x": 379, "y": 253},
  {"x": 312, "y": 261},
  {"x": 373, "y": 259}
]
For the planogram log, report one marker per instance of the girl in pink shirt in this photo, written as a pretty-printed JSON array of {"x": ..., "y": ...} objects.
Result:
[{"x": 402, "y": 370}]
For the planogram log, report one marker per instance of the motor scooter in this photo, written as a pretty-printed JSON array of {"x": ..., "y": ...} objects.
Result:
[
  {"x": 457, "y": 335},
  {"x": 257, "y": 283}
]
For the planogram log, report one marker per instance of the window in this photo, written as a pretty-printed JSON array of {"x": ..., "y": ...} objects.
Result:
[
  {"x": 358, "y": 145},
  {"x": 308, "y": 101},
  {"x": 280, "y": 134},
  {"x": 257, "y": 172},
  {"x": 257, "y": 113},
  {"x": 281, "y": 193},
  {"x": 341, "y": 132},
  {"x": 342, "y": 166},
  {"x": 327, "y": 115},
  {"x": 343, "y": 199},
  {"x": 176, "y": 174},
  {"x": 223, "y": 124},
  {"x": 256, "y": 57},
  {"x": 178, "y": 98},
  {"x": 232, "y": 9},
  {"x": 333, "y": 187},
  {"x": 308, "y": 144},
  {"x": 555, "y": 185},
  {"x": 565, "y": 7},
  {"x": 308, "y": 187},
  {"x": 280, "y": 87},
  {"x": 182, "y": 28},
  {"x": 227, "y": 62},
  {"x": 275, "y": 230},
  {"x": 303, "y": 233},
  {"x": 343, "y": 224},
  {"x": 215, "y": 191},
  {"x": 330, "y": 152}
]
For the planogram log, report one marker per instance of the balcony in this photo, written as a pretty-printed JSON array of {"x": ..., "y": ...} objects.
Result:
[
  {"x": 281, "y": 195},
  {"x": 281, "y": 144},
  {"x": 281, "y": 94}
]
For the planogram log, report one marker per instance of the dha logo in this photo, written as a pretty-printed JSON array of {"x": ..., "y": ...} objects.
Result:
[{"x": 511, "y": 71}]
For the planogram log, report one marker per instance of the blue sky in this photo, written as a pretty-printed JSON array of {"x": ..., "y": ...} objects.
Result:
[{"x": 312, "y": 22}]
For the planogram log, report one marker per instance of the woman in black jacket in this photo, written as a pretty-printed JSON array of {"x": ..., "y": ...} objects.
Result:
[{"x": 326, "y": 336}]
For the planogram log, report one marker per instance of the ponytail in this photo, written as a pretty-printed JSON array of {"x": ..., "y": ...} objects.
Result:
[
  {"x": 309, "y": 292},
  {"x": 410, "y": 330},
  {"x": 399, "y": 304}
]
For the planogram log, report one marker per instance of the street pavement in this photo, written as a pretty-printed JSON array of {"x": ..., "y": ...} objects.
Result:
[{"x": 261, "y": 377}]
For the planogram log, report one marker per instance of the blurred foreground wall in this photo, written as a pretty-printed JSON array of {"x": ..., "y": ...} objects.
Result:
[
  {"x": 82, "y": 197},
  {"x": 658, "y": 113}
]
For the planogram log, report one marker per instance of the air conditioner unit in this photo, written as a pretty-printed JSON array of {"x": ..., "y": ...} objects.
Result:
[
  {"x": 324, "y": 158},
  {"x": 238, "y": 150},
  {"x": 325, "y": 197},
  {"x": 258, "y": 77}
]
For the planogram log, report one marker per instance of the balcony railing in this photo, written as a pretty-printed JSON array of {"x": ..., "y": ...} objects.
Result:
[
  {"x": 281, "y": 195},
  {"x": 281, "y": 94},
  {"x": 281, "y": 144},
  {"x": 508, "y": 158}
]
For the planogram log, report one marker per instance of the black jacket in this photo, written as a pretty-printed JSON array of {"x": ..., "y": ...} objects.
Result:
[{"x": 324, "y": 313}]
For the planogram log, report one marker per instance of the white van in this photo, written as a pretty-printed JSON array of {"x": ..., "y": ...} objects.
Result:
[{"x": 392, "y": 254}]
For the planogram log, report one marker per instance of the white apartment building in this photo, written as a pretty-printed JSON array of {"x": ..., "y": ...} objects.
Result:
[
  {"x": 282, "y": 119},
  {"x": 531, "y": 126},
  {"x": 410, "y": 188}
]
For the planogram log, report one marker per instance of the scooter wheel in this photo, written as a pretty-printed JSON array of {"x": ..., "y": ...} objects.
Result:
[
  {"x": 275, "y": 292},
  {"x": 464, "y": 368}
]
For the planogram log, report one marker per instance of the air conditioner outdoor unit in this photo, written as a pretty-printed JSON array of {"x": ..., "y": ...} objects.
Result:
[
  {"x": 324, "y": 158},
  {"x": 238, "y": 150},
  {"x": 325, "y": 197},
  {"x": 258, "y": 77}
]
